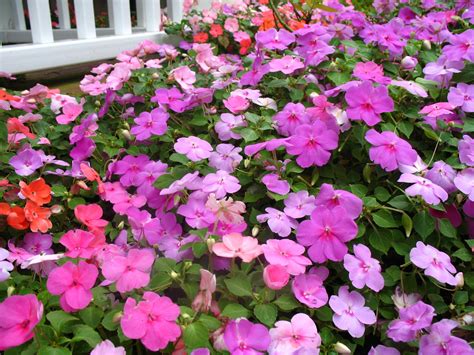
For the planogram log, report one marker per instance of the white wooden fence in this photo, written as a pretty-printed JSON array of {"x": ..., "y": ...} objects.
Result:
[{"x": 43, "y": 47}]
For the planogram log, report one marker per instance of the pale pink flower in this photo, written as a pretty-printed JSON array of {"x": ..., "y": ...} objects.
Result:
[
  {"x": 108, "y": 348},
  {"x": 286, "y": 253},
  {"x": 235, "y": 245},
  {"x": 299, "y": 204},
  {"x": 194, "y": 148}
]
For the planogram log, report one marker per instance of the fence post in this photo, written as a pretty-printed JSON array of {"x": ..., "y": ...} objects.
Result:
[
  {"x": 85, "y": 20},
  {"x": 63, "y": 14},
  {"x": 18, "y": 15},
  {"x": 175, "y": 10},
  {"x": 122, "y": 21},
  {"x": 110, "y": 13},
  {"x": 40, "y": 21},
  {"x": 140, "y": 13},
  {"x": 152, "y": 12}
]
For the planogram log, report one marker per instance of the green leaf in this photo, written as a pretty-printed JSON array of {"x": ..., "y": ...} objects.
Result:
[
  {"x": 248, "y": 134},
  {"x": 463, "y": 254},
  {"x": 49, "y": 350},
  {"x": 468, "y": 125},
  {"x": 60, "y": 319},
  {"x": 339, "y": 78},
  {"x": 407, "y": 224},
  {"x": 266, "y": 313},
  {"x": 199, "y": 249},
  {"x": 461, "y": 297},
  {"x": 110, "y": 322},
  {"x": 239, "y": 285},
  {"x": 424, "y": 224},
  {"x": 381, "y": 194},
  {"x": 91, "y": 316},
  {"x": 446, "y": 228},
  {"x": 384, "y": 219},
  {"x": 3, "y": 136},
  {"x": 235, "y": 310},
  {"x": 286, "y": 303},
  {"x": 196, "y": 336},
  {"x": 380, "y": 242},
  {"x": 85, "y": 333},
  {"x": 179, "y": 158},
  {"x": 164, "y": 181},
  {"x": 210, "y": 322}
]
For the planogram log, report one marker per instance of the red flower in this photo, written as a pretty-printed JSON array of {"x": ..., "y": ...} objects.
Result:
[
  {"x": 38, "y": 191},
  {"x": 200, "y": 37},
  {"x": 14, "y": 125},
  {"x": 216, "y": 30},
  {"x": 15, "y": 216}
]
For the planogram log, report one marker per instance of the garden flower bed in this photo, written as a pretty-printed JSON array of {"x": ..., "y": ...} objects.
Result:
[{"x": 295, "y": 190}]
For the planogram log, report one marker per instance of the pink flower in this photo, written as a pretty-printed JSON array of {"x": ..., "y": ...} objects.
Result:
[
  {"x": 389, "y": 151},
  {"x": 370, "y": 71},
  {"x": 152, "y": 320},
  {"x": 221, "y": 183},
  {"x": 274, "y": 184},
  {"x": 299, "y": 204},
  {"x": 150, "y": 123},
  {"x": 18, "y": 317},
  {"x": 231, "y": 24},
  {"x": 273, "y": 39},
  {"x": 196, "y": 213},
  {"x": 383, "y": 350},
  {"x": 243, "y": 337},
  {"x": 226, "y": 157},
  {"x": 462, "y": 96},
  {"x": 464, "y": 181},
  {"x": 131, "y": 271},
  {"x": 350, "y": 313},
  {"x": 108, "y": 348},
  {"x": 275, "y": 276},
  {"x": 410, "y": 86},
  {"x": 184, "y": 76},
  {"x": 73, "y": 283},
  {"x": 412, "y": 320},
  {"x": 236, "y": 245},
  {"x": 299, "y": 334},
  {"x": 70, "y": 112},
  {"x": 326, "y": 233},
  {"x": 226, "y": 210},
  {"x": 286, "y": 64},
  {"x": 286, "y": 253},
  {"x": 330, "y": 198},
  {"x": 90, "y": 215},
  {"x": 188, "y": 181},
  {"x": 278, "y": 222},
  {"x": 440, "y": 341},
  {"x": 290, "y": 118},
  {"x": 207, "y": 286},
  {"x": 466, "y": 150},
  {"x": 228, "y": 122},
  {"x": 429, "y": 191},
  {"x": 194, "y": 148},
  {"x": 437, "y": 109},
  {"x": 461, "y": 46},
  {"x": 367, "y": 103},
  {"x": 236, "y": 104},
  {"x": 312, "y": 143},
  {"x": 363, "y": 269},
  {"x": 309, "y": 290},
  {"x": 79, "y": 243},
  {"x": 435, "y": 263}
]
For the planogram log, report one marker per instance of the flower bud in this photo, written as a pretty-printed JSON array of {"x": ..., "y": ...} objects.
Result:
[
  {"x": 31, "y": 101},
  {"x": 255, "y": 230},
  {"x": 340, "y": 348},
  {"x": 452, "y": 306},
  {"x": 121, "y": 225},
  {"x": 459, "y": 279},
  {"x": 426, "y": 44},
  {"x": 275, "y": 276},
  {"x": 408, "y": 63},
  {"x": 10, "y": 290},
  {"x": 210, "y": 243},
  {"x": 116, "y": 318},
  {"x": 57, "y": 209},
  {"x": 97, "y": 103},
  {"x": 25, "y": 92},
  {"x": 468, "y": 319},
  {"x": 246, "y": 163},
  {"x": 155, "y": 75},
  {"x": 174, "y": 275},
  {"x": 125, "y": 133}
]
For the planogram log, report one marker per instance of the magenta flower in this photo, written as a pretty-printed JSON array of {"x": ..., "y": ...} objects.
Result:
[
  {"x": 312, "y": 143},
  {"x": 466, "y": 150},
  {"x": 26, "y": 162},
  {"x": 298, "y": 335},
  {"x": 367, "y": 103},
  {"x": 309, "y": 290},
  {"x": 389, "y": 151},
  {"x": 196, "y": 213},
  {"x": 221, "y": 183},
  {"x": 236, "y": 104},
  {"x": 440, "y": 341},
  {"x": 152, "y": 320},
  {"x": 150, "y": 123},
  {"x": 274, "y": 184},
  {"x": 243, "y": 337},
  {"x": 464, "y": 181},
  {"x": 129, "y": 168},
  {"x": 410, "y": 86},
  {"x": 73, "y": 284},
  {"x": 224, "y": 128},
  {"x": 462, "y": 96},
  {"x": 350, "y": 313},
  {"x": 286, "y": 64},
  {"x": 326, "y": 233},
  {"x": 278, "y": 222},
  {"x": 194, "y": 148},
  {"x": 370, "y": 71},
  {"x": 443, "y": 175},
  {"x": 299, "y": 204},
  {"x": 291, "y": 117},
  {"x": 429, "y": 191},
  {"x": 435, "y": 263},
  {"x": 19, "y": 314},
  {"x": 286, "y": 253},
  {"x": 363, "y": 269},
  {"x": 79, "y": 243},
  {"x": 187, "y": 181},
  {"x": 71, "y": 111},
  {"x": 461, "y": 46},
  {"x": 273, "y": 39},
  {"x": 411, "y": 321},
  {"x": 170, "y": 98},
  {"x": 226, "y": 157},
  {"x": 275, "y": 277},
  {"x": 330, "y": 198}
]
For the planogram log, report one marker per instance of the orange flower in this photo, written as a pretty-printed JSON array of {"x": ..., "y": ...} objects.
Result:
[
  {"x": 15, "y": 216},
  {"x": 5, "y": 96},
  {"x": 38, "y": 217},
  {"x": 296, "y": 25},
  {"x": 268, "y": 21},
  {"x": 38, "y": 191},
  {"x": 200, "y": 37},
  {"x": 14, "y": 125}
]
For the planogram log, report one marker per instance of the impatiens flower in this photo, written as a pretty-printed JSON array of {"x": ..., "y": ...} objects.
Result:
[
  {"x": 443, "y": 69},
  {"x": 443, "y": 175},
  {"x": 383, "y": 350},
  {"x": 297, "y": 335},
  {"x": 410, "y": 86},
  {"x": 309, "y": 290},
  {"x": 236, "y": 104},
  {"x": 26, "y": 162},
  {"x": 38, "y": 217},
  {"x": 131, "y": 271},
  {"x": 274, "y": 184},
  {"x": 236, "y": 245},
  {"x": 231, "y": 24},
  {"x": 243, "y": 337},
  {"x": 79, "y": 243},
  {"x": 330, "y": 198},
  {"x": 19, "y": 314},
  {"x": 350, "y": 313},
  {"x": 370, "y": 71},
  {"x": 129, "y": 168},
  {"x": 196, "y": 213},
  {"x": 440, "y": 341},
  {"x": 150, "y": 123},
  {"x": 73, "y": 283},
  {"x": 278, "y": 221},
  {"x": 466, "y": 150},
  {"x": 108, "y": 348},
  {"x": 287, "y": 64},
  {"x": 312, "y": 143},
  {"x": 71, "y": 111},
  {"x": 226, "y": 157},
  {"x": 435, "y": 263},
  {"x": 286, "y": 253},
  {"x": 194, "y": 148},
  {"x": 411, "y": 321},
  {"x": 389, "y": 151},
  {"x": 207, "y": 286},
  {"x": 326, "y": 233},
  {"x": 38, "y": 191},
  {"x": 437, "y": 109},
  {"x": 464, "y": 181},
  {"x": 275, "y": 276},
  {"x": 462, "y": 96},
  {"x": 184, "y": 76},
  {"x": 429, "y": 191},
  {"x": 170, "y": 98},
  {"x": 291, "y": 117},
  {"x": 363, "y": 269},
  {"x": 90, "y": 216},
  {"x": 273, "y": 39},
  {"x": 226, "y": 210},
  {"x": 152, "y": 320},
  {"x": 366, "y": 102},
  {"x": 221, "y": 183},
  {"x": 228, "y": 122},
  {"x": 299, "y": 204},
  {"x": 461, "y": 46},
  {"x": 403, "y": 300},
  {"x": 5, "y": 266}
]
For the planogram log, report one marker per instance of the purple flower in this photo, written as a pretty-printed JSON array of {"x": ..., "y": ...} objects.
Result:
[
  {"x": 171, "y": 247},
  {"x": 243, "y": 337},
  {"x": 278, "y": 222},
  {"x": 170, "y": 98},
  {"x": 461, "y": 46},
  {"x": 274, "y": 184},
  {"x": 367, "y": 103},
  {"x": 443, "y": 69},
  {"x": 26, "y": 162},
  {"x": 466, "y": 150},
  {"x": 330, "y": 198},
  {"x": 83, "y": 149},
  {"x": 196, "y": 213},
  {"x": 411, "y": 320},
  {"x": 462, "y": 96},
  {"x": 87, "y": 128},
  {"x": 464, "y": 181},
  {"x": 350, "y": 313},
  {"x": 363, "y": 269},
  {"x": 435, "y": 263},
  {"x": 188, "y": 181},
  {"x": 221, "y": 183},
  {"x": 309, "y": 290},
  {"x": 224, "y": 128},
  {"x": 312, "y": 143},
  {"x": 273, "y": 39},
  {"x": 443, "y": 175},
  {"x": 292, "y": 116},
  {"x": 130, "y": 167},
  {"x": 166, "y": 228},
  {"x": 226, "y": 157},
  {"x": 383, "y": 350},
  {"x": 194, "y": 148},
  {"x": 299, "y": 204},
  {"x": 429, "y": 191},
  {"x": 410, "y": 86},
  {"x": 150, "y": 123},
  {"x": 440, "y": 341},
  {"x": 5, "y": 266}
]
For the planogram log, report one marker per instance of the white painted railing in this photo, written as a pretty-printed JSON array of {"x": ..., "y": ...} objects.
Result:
[{"x": 43, "y": 47}]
